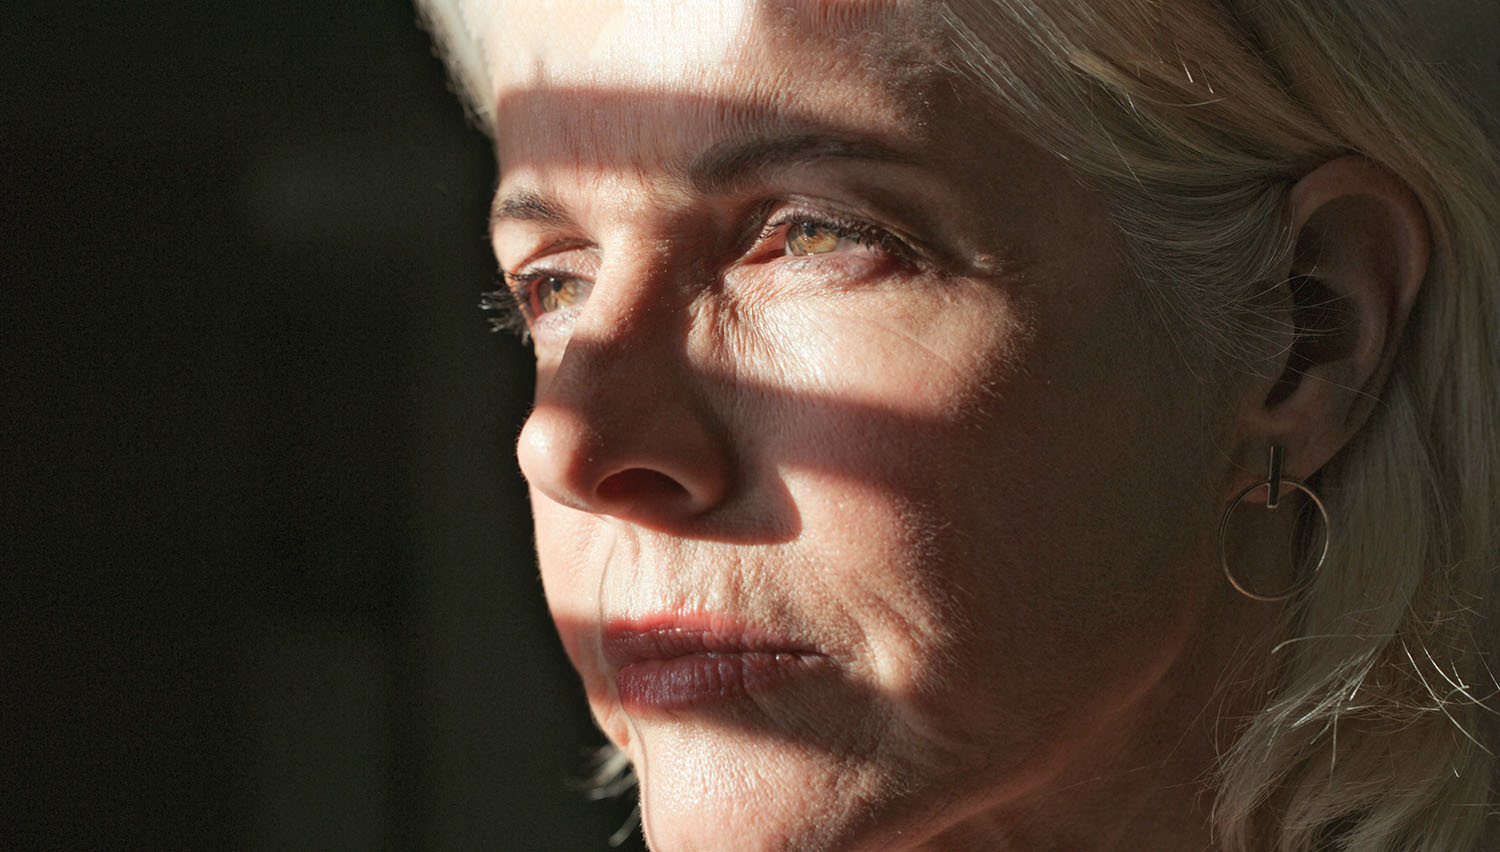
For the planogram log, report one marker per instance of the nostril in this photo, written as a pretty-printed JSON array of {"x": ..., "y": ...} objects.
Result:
[{"x": 640, "y": 484}]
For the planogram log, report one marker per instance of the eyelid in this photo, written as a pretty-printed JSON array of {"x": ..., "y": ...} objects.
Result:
[
  {"x": 832, "y": 223},
  {"x": 541, "y": 248},
  {"x": 880, "y": 237}
]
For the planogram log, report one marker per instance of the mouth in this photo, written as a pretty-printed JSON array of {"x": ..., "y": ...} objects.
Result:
[{"x": 682, "y": 663}]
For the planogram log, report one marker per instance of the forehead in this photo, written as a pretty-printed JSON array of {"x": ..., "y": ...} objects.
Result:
[
  {"x": 634, "y": 43},
  {"x": 568, "y": 70},
  {"x": 651, "y": 42}
]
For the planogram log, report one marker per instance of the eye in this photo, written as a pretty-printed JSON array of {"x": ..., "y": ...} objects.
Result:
[
  {"x": 805, "y": 235},
  {"x": 804, "y": 238},
  {"x": 542, "y": 292},
  {"x": 553, "y": 292}
]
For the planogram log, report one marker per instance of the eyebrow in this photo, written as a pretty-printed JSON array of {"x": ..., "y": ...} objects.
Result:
[
  {"x": 721, "y": 167},
  {"x": 526, "y": 206},
  {"x": 734, "y": 161}
]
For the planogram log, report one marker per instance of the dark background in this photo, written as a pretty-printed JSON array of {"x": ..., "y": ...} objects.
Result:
[{"x": 267, "y": 579}]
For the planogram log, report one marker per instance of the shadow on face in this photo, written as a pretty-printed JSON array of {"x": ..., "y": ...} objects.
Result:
[{"x": 840, "y": 427}]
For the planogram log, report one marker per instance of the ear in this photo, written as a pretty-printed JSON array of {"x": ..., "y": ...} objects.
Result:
[{"x": 1361, "y": 247}]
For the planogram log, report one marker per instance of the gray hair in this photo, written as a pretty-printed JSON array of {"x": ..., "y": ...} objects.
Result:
[{"x": 1194, "y": 119}]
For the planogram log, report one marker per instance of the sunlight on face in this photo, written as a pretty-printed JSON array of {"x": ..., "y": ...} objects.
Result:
[
  {"x": 843, "y": 505},
  {"x": 636, "y": 41}
]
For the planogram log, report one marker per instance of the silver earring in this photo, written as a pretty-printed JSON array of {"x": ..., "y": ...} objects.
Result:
[{"x": 1273, "y": 484}]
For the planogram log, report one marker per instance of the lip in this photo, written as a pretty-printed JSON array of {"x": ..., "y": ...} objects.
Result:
[{"x": 675, "y": 663}]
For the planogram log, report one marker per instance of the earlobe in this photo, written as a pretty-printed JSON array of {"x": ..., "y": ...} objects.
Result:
[{"x": 1359, "y": 259}]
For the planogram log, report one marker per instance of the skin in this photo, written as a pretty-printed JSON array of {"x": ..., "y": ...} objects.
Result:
[{"x": 965, "y": 464}]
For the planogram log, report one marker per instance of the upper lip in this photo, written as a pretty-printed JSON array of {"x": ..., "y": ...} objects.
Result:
[{"x": 638, "y": 640}]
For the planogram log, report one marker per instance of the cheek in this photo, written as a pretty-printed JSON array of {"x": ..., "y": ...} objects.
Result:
[
  {"x": 574, "y": 554},
  {"x": 570, "y": 580},
  {"x": 1011, "y": 540},
  {"x": 861, "y": 361}
]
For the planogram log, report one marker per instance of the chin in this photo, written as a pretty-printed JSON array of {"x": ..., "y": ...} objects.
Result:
[
  {"x": 814, "y": 766},
  {"x": 708, "y": 790}
]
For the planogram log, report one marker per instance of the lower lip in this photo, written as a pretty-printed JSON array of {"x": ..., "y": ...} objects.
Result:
[{"x": 706, "y": 679}]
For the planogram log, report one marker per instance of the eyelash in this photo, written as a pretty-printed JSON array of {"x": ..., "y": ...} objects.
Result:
[
  {"x": 862, "y": 233},
  {"x": 504, "y": 307},
  {"x": 508, "y": 302}
]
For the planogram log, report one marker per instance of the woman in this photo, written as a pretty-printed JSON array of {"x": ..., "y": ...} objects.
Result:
[{"x": 929, "y": 395}]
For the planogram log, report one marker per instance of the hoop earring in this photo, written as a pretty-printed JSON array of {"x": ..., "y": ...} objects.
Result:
[{"x": 1273, "y": 484}]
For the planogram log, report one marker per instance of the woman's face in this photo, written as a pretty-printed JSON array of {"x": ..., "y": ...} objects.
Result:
[{"x": 872, "y": 497}]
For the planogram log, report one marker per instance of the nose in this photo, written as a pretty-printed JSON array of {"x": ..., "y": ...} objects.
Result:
[{"x": 623, "y": 423}]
